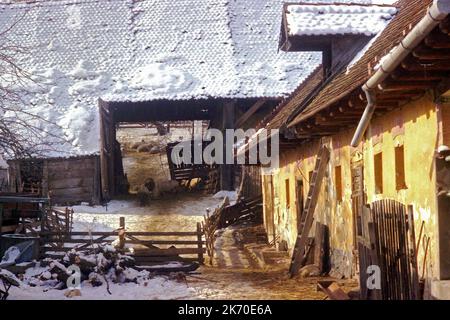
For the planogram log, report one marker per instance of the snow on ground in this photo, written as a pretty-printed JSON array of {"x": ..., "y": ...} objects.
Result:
[
  {"x": 88, "y": 218},
  {"x": 113, "y": 206},
  {"x": 186, "y": 204},
  {"x": 89, "y": 224},
  {"x": 232, "y": 195},
  {"x": 157, "y": 288},
  {"x": 38, "y": 283}
]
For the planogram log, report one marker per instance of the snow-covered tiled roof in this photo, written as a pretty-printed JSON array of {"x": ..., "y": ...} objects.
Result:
[
  {"x": 337, "y": 19},
  {"x": 162, "y": 49},
  {"x": 142, "y": 50}
]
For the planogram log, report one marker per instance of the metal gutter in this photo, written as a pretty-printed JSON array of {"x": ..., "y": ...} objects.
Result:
[{"x": 437, "y": 12}]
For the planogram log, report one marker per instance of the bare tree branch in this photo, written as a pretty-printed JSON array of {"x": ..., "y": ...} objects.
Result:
[{"x": 22, "y": 132}]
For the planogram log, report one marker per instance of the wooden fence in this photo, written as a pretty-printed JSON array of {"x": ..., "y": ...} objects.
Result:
[
  {"x": 148, "y": 246},
  {"x": 250, "y": 208},
  {"x": 210, "y": 225},
  {"x": 388, "y": 242}
]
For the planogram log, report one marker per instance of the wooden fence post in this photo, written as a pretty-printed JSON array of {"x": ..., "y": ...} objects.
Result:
[
  {"x": 122, "y": 222},
  {"x": 200, "y": 243},
  {"x": 67, "y": 220},
  {"x": 413, "y": 254}
]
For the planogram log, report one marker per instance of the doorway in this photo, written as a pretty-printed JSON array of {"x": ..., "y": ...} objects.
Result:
[{"x": 269, "y": 209}]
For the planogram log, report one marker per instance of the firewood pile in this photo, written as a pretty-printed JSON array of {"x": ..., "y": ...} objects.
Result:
[{"x": 97, "y": 267}]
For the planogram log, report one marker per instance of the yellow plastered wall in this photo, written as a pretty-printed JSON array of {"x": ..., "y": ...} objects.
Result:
[
  {"x": 419, "y": 137},
  {"x": 415, "y": 127},
  {"x": 296, "y": 164}
]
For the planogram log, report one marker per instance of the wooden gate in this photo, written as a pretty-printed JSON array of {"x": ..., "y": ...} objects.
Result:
[
  {"x": 149, "y": 247},
  {"x": 388, "y": 241}
]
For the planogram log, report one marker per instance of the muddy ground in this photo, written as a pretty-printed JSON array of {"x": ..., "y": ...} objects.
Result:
[{"x": 232, "y": 274}]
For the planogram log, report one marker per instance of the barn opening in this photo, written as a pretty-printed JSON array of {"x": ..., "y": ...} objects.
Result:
[{"x": 159, "y": 118}]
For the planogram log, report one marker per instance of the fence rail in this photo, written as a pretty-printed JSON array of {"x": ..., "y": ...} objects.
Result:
[{"x": 190, "y": 243}]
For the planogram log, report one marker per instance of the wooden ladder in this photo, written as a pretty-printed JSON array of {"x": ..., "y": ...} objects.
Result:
[{"x": 298, "y": 256}]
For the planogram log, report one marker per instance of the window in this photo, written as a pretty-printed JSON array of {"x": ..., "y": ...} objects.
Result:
[
  {"x": 338, "y": 182},
  {"x": 378, "y": 164},
  {"x": 400, "y": 168},
  {"x": 288, "y": 193}
]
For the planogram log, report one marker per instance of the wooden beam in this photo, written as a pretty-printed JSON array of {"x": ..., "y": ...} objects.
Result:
[
  {"x": 331, "y": 116},
  {"x": 349, "y": 110},
  {"x": 425, "y": 75},
  {"x": 443, "y": 86},
  {"x": 438, "y": 41},
  {"x": 335, "y": 122},
  {"x": 444, "y": 26},
  {"x": 405, "y": 85},
  {"x": 356, "y": 103},
  {"x": 412, "y": 64},
  {"x": 255, "y": 107},
  {"x": 228, "y": 121},
  {"x": 431, "y": 54},
  {"x": 398, "y": 95}
]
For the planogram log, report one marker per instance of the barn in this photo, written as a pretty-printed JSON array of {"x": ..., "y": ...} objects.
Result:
[{"x": 95, "y": 65}]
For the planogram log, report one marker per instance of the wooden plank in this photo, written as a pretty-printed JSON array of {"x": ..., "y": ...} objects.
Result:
[
  {"x": 72, "y": 164},
  {"x": 113, "y": 233},
  {"x": 144, "y": 253},
  {"x": 169, "y": 252},
  {"x": 143, "y": 242},
  {"x": 69, "y": 174},
  {"x": 319, "y": 248},
  {"x": 72, "y": 192},
  {"x": 438, "y": 41},
  {"x": 404, "y": 86},
  {"x": 200, "y": 243},
  {"x": 332, "y": 290},
  {"x": 413, "y": 255},
  {"x": 68, "y": 183}
]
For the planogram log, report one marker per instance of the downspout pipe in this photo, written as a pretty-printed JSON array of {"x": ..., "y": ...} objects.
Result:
[{"x": 436, "y": 13}]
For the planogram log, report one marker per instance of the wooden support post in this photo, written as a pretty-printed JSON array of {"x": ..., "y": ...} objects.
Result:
[
  {"x": 413, "y": 255},
  {"x": 67, "y": 217},
  {"x": 200, "y": 243},
  {"x": 319, "y": 249},
  {"x": 45, "y": 182},
  {"x": 122, "y": 222},
  {"x": 97, "y": 185},
  {"x": 226, "y": 170}
]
